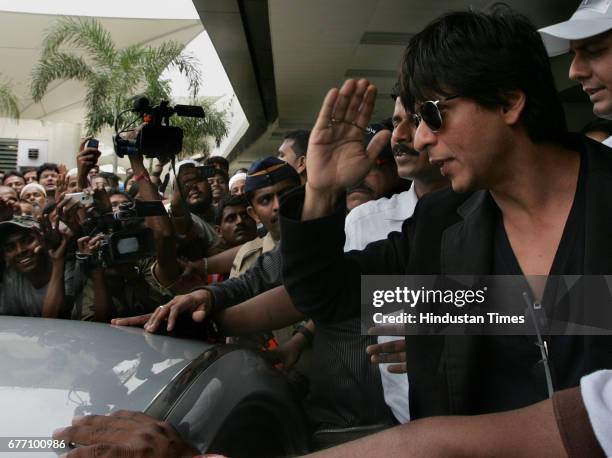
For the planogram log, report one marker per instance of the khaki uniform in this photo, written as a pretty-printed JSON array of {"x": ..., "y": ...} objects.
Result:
[{"x": 249, "y": 252}]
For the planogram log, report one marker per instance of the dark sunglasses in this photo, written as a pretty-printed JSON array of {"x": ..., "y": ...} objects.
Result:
[{"x": 429, "y": 112}]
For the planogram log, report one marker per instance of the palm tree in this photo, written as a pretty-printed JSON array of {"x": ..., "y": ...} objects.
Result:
[
  {"x": 9, "y": 106},
  {"x": 197, "y": 132},
  {"x": 81, "y": 49}
]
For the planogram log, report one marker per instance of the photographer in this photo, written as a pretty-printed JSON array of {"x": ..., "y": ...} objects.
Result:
[
  {"x": 37, "y": 280},
  {"x": 125, "y": 288}
]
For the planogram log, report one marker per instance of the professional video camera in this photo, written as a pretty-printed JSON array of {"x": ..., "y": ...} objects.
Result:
[
  {"x": 125, "y": 237},
  {"x": 157, "y": 138}
]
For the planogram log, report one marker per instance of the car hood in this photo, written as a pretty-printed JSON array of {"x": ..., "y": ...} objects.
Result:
[{"x": 52, "y": 370}]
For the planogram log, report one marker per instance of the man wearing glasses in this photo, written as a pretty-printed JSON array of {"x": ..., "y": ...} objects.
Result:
[{"x": 528, "y": 200}]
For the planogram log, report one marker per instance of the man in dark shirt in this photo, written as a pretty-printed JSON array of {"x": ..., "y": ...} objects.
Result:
[{"x": 514, "y": 223}]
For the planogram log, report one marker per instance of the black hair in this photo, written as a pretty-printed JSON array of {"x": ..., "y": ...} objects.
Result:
[
  {"x": 211, "y": 160},
  {"x": 230, "y": 201},
  {"x": 241, "y": 170},
  {"x": 300, "y": 141},
  {"x": 250, "y": 194},
  {"x": 597, "y": 125},
  {"x": 484, "y": 56},
  {"x": 46, "y": 166},
  {"x": 221, "y": 172},
  {"x": 113, "y": 180},
  {"x": 395, "y": 91},
  {"x": 125, "y": 194},
  {"x": 13, "y": 173}
]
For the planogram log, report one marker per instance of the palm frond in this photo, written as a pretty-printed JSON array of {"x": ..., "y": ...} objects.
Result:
[
  {"x": 170, "y": 54},
  {"x": 9, "y": 105},
  {"x": 198, "y": 132},
  {"x": 101, "y": 112},
  {"x": 58, "y": 66},
  {"x": 84, "y": 33}
]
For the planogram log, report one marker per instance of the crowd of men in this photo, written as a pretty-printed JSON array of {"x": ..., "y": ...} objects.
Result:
[{"x": 473, "y": 173}]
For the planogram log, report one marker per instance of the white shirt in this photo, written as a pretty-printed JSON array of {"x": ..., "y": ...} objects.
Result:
[
  {"x": 608, "y": 142},
  {"x": 368, "y": 223},
  {"x": 373, "y": 220},
  {"x": 596, "y": 390}
]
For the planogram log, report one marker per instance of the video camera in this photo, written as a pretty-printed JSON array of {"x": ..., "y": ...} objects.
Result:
[
  {"x": 125, "y": 238},
  {"x": 157, "y": 138}
]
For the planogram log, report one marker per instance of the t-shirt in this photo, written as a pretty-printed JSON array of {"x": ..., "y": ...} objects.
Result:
[{"x": 18, "y": 297}]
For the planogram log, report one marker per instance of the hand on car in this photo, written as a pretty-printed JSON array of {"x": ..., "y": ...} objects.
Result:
[
  {"x": 198, "y": 303},
  {"x": 124, "y": 434}
]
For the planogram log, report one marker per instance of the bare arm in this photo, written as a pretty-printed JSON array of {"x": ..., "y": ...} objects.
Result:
[
  {"x": 54, "y": 303},
  {"x": 103, "y": 307},
  {"x": 265, "y": 312},
  {"x": 167, "y": 269},
  {"x": 527, "y": 432}
]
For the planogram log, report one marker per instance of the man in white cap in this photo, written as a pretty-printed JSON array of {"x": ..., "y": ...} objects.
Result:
[{"x": 588, "y": 35}]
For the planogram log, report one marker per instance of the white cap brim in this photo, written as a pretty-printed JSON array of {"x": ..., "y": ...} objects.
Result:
[{"x": 556, "y": 37}]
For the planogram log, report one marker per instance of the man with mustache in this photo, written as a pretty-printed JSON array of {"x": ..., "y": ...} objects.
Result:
[
  {"x": 381, "y": 181},
  {"x": 233, "y": 223},
  {"x": 375, "y": 219}
]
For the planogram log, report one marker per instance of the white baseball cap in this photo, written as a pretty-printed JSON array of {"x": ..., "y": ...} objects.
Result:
[{"x": 591, "y": 18}]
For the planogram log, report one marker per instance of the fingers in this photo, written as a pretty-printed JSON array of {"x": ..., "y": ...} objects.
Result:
[
  {"x": 397, "y": 368},
  {"x": 388, "y": 352},
  {"x": 160, "y": 314},
  {"x": 140, "y": 320},
  {"x": 327, "y": 108},
  {"x": 356, "y": 100},
  {"x": 387, "y": 347},
  {"x": 94, "y": 428},
  {"x": 378, "y": 143},
  {"x": 344, "y": 98},
  {"x": 199, "y": 315},
  {"x": 385, "y": 358},
  {"x": 367, "y": 107}
]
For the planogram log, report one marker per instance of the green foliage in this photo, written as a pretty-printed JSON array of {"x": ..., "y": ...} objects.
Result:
[
  {"x": 9, "y": 106},
  {"x": 197, "y": 132},
  {"x": 81, "y": 49}
]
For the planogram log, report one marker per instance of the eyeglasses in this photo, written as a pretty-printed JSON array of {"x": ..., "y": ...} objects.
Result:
[{"x": 429, "y": 112}]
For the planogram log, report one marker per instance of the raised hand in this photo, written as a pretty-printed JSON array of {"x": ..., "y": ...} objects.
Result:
[{"x": 336, "y": 155}]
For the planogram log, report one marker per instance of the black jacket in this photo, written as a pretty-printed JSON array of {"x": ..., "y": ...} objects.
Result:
[{"x": 449, "y": 234}]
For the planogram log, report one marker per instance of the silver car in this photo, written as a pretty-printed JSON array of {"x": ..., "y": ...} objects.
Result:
[{"x": 221, "y": 398}]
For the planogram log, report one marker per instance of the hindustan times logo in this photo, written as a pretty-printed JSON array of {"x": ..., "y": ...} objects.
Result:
[{"x": 411, "y": 297}]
